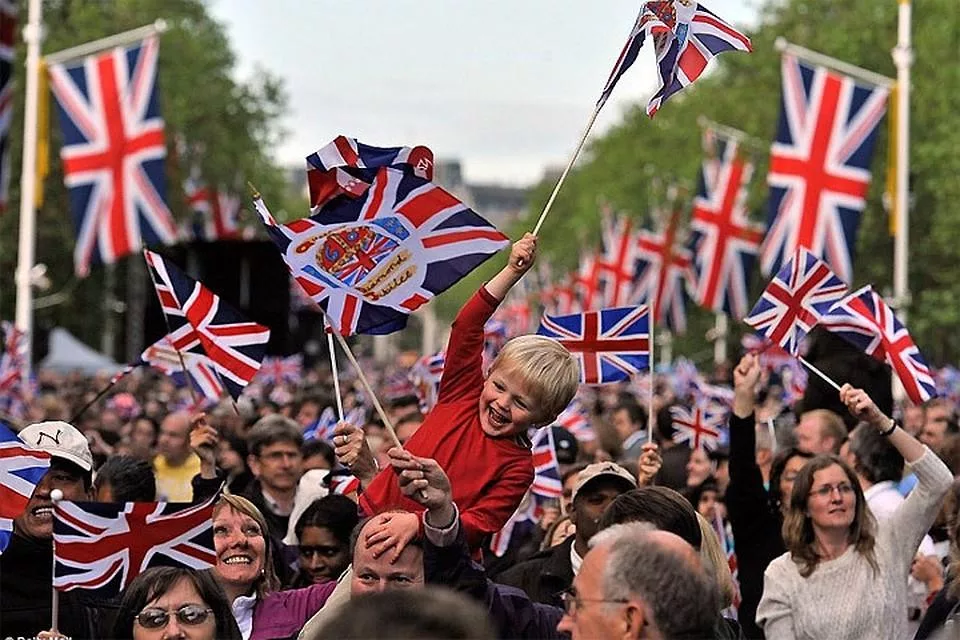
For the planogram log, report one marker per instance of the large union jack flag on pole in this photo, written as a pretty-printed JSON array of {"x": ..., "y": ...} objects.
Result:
[
  {"x": 725, "y": 243},
  {"x": 664, "y": 271},
  {"x": 203, "y": 323},
  {"x": 383, "y": 245},
  {"x": 104, "y": 546},
  {"x": 113, "y": 152},
  {"x": 21, "y": 469},
  {"x": 797, "y": 298},
  {"x": 618, "y": 261},
  {"x": 865, "y": 320},
  {"x": 610, "y": 344},
  {"x": 820, "y": 165},
  {"x": 686, "y": 37}
]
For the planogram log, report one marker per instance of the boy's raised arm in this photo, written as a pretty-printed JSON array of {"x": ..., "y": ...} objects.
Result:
[{"x": 522, "y": 255}]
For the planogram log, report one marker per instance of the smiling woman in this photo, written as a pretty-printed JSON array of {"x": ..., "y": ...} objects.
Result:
[{"x": 245, "y": 571}]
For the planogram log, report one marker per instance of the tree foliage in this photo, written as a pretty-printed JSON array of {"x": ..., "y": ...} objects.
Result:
[
  {"x": 631, "y": 163},
  {"x": 230, "y": 127}
]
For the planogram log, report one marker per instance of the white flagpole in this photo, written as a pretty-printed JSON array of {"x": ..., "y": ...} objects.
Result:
[
  {"x": 563, "y": 176},
  {"x": 116, "y": 40},
  {"x": 336, "y": 373},
  {"x": 903, "y": 59},
  {"x": 651, "y": 418},
  {"x": 32, "y": 35},
  {"x": 852, "y": 70},
  {"x": 720, "y": 345}
]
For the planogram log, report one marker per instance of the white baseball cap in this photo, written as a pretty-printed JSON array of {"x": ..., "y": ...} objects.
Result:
[{"x": 62, "y": 440}]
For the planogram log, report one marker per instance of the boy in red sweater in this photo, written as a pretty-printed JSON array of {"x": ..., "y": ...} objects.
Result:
[{"x": 477, "y": 430}]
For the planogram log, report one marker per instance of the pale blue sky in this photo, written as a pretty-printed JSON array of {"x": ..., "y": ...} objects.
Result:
[{"x": 506, "y": 86}]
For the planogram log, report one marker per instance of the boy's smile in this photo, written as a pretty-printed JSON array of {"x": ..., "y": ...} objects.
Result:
[{"x": 506, "y": 409}]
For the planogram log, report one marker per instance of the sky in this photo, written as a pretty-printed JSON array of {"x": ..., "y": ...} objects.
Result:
[{"x": 505, "y": 86}]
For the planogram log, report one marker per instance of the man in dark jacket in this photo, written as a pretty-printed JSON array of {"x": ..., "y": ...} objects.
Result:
[{"x": 547, "y": 574}]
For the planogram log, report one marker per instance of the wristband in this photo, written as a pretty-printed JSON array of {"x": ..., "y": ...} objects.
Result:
[{"x": 893, "y": 427}]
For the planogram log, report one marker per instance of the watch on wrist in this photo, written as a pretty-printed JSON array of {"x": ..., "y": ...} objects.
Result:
[{"x": 893, "y": 427}]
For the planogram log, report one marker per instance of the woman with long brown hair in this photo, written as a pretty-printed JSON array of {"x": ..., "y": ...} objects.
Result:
[{"x": 843, "y": 576}]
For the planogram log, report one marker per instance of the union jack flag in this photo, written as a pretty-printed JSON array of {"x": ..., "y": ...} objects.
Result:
[
  {"x": 619, "y": 260},
  {"x": 21, "y": 468},
  {"x": 664, "y": 271},
  {"x": 820, "y": 165},
  {"x": 12, "y": 360},
  {"x": 697, "y": 427},
  {"x": 201, "y": 322},
  {"x": 576, "y": 420},
  {"x": 425, "y": 376},
  {"x": 523, "y": 517},
  {"x": 771, "y": 356},
  {"x": 376, "y": 252},
  {"x": 103, "y": 546},
  {"x": 8, "y": 35},
  {"x": 724, "y": 241},
  {"x": 686, "y": 36},
  {"x": 865, "y": 320},
  {"x": 162, "y": 355},
  {"x": 343, "y": 483},
  {"x": 494, "y": 337},
  {"x": 113, "y": 152},
  {"x": 546, "y": 469},
  {"x": 796, "y": 299},
  {"x": 610, "y": 344},
  {"x": 277, "y": 370},
  {"x": 216, "y": 213},
  {"x": 322, "y": 428}
]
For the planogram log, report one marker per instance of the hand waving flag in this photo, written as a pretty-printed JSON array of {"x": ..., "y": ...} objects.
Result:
[{"x": 383, "y": 239}]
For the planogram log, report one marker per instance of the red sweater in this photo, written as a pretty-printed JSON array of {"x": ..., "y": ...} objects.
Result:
[{"x": 488, "y": 476}]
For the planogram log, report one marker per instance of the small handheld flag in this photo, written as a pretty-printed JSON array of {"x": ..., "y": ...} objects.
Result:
[{"x": 697, "y": 427}]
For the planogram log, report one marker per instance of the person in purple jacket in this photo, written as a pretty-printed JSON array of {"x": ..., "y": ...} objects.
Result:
[{"x": 246, "y": 572}]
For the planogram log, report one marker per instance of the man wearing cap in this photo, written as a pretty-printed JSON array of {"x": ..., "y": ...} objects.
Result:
[
  {"x": 26, "y": 566},
  {"x": 547, "y": 574}
]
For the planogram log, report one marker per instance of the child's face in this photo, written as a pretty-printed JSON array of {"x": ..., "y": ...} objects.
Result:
[{"x": 506, "y": 407}]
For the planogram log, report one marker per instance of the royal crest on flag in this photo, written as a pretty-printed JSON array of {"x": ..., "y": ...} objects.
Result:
[
  {"x": 865, "y": 320},
  {"x": 104, "y": 546},
  {"x": 820, "y": 165},
  {"x": 113, "y": 152},
  {"x": 375, "y": 252},
  {"x": 21, "y": 469},
  {"x": 796, "y": 299},
  {"x": 611, "y": 344}
]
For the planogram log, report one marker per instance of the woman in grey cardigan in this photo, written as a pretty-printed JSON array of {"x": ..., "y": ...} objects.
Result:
[{"x": 842, "y": 575}]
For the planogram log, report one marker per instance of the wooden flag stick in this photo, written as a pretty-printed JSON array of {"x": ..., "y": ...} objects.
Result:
[
  {"x": 819, "y": 373},
  {"x": 113, "y": 381},
  {"x": 336, "y": 373},
  {"x": 563, "y": 176}
]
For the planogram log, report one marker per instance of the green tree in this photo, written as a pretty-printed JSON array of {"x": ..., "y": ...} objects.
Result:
[
  {"x": 230, "y": 126},
  {"x": 628, "y": 165}
]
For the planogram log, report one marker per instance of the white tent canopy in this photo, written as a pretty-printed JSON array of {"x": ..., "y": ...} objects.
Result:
[{"x": 69, "y": 354}]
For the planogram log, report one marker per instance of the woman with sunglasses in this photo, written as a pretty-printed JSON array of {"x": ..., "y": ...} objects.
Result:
[
  {"x": 843, "y": 576},
  {"x": 175, "y": 602}
]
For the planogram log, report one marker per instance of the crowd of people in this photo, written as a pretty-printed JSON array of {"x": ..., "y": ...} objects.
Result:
[{"x": 803, "y": 523}]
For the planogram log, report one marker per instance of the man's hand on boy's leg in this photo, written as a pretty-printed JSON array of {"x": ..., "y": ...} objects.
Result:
[
  {"x": 350, "y": 447},
  {"x": 523, "y": 254},
  {"x": 392, "y": 531}
]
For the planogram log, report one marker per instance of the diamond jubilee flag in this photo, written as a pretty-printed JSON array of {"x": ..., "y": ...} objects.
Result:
[{"x": 383, "y": 239}]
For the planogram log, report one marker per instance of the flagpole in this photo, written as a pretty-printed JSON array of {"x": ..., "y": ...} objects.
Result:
[
  {"x": 336, "y": 373},
  {"x": 819, "y": 373},
  {"x": 32, "y": 35},
  {"x": 903, "y": 59},
  {"x": 116, "y": 40},
  {"x": 783, "y": 46},
  {"x": 720, "y": 346},
  {"x": 651, "y": 418},
  {"x": 113, "y": 381},
  {"x": 166, "y": 323},
  {"x": 563, "y": 176},
  {"x": 387, "y": 424},
  {"x": 55, "y": 497}
]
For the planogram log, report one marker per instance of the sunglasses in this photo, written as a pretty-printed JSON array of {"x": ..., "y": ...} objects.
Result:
[{"x": 188, "y": 614}]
